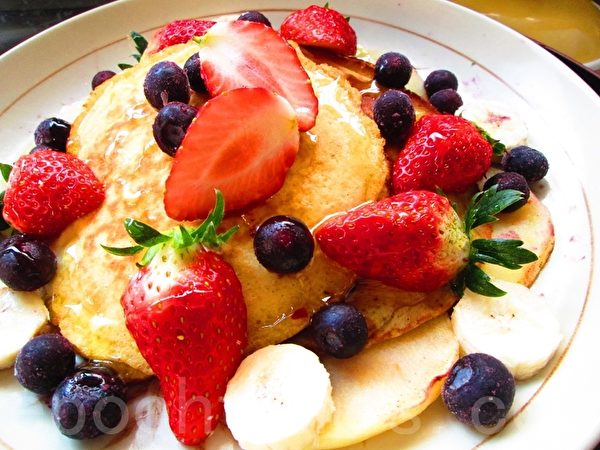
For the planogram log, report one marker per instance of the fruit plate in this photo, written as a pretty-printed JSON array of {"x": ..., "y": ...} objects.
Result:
[{"x": 494, "y": 63}]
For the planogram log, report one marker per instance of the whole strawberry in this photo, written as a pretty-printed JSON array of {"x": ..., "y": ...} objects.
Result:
[
  {"x": 48, "y": 190},
  {"x": 178, "y": 32},
  {"x": 186, "y": 312},
  {"x": 321, "y": 27},
  {"x": 416, "y": 241},
  {"x": 443, "y": 151}
]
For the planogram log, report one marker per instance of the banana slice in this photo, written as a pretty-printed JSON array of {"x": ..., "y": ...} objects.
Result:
[
  {"x": 499, "y": 120},
  {"x": 279, "y": 399},
  {"x": 22, "y": 314},
  {"x": 519, "y": 328}
]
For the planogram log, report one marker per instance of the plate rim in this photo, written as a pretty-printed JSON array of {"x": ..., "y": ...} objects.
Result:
[{"x": 29, "y": 44}]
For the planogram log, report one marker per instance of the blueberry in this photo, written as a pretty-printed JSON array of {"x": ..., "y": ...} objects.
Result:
[
  {"x": 439, "y": 80},
  {"x": 530, "y": 163},
  {"x": 170, "y": 125},
  {"x": 479, "y": 390},
  {"x": 101, "y": 77},
  {"x": 446, "y": 101},
  {"x": 283, "y": 244},
  {"x": 193, "y": 72},
  {"x": 340, "y": 330},
  {"x": 255, "y": 16},
  {"x": 44, "y": 362},
  {"x": 394, "y": 114},
  {"x": 89, "y": 404},
  {"x": 166, "y": 82},
  {"x": 393, "y": 70},
  {"x": 510, "y": 180},
  {"x": 26, "y": 264},
  {"x": 53, "y": 132}
]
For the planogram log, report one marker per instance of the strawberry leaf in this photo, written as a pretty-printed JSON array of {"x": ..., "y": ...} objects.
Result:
[
  {"x": 182, "y": 237},
  {"x": 484, "y": 206},
  {"x": 143, "y": 234},
  {"x": 224, "y": 237},
  {"x": 508, "y": 253},
  {"x": 498, "y": 147},
  {"x": 140, "y": 42},
  {"x": 123, "y": 251},
  {"x": 149, "y": 255},
  {"x": 502, "y": 252},
  {"x": 5, "y": 169},
  {"x": 206, "y": 233},
  {"x": 478, "y": 281}
]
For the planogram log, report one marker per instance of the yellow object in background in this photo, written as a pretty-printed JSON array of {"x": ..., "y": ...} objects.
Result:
[{"x": 570, "y": 26}]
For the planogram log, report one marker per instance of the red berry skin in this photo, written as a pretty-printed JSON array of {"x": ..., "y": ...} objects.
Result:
[
  {"x": 242, "y": 54},
  {"x": 443, "y": 151},
  {"x": 47, "y": 191},
  {"x": 192, "y": 334},
  {"x": 179, "y": 32},
  {"x": 321, "y": 27},
  {"x": 413, "y": 241}
]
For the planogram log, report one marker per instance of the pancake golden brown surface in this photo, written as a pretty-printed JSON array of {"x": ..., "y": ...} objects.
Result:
[{"x": 340, "y": 164}]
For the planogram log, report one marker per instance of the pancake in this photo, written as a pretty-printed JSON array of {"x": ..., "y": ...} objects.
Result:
[{"x": 340, "y": 164}]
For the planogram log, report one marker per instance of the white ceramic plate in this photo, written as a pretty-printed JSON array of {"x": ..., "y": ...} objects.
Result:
[{"x": 557, "y": 409}]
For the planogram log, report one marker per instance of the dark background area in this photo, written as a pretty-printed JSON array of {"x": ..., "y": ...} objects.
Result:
[{"x": 20, "y": 19}]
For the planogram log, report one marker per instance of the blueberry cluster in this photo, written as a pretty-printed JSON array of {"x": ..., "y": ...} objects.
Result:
[
  {"x": 522, "y": 165},
  {"x": 86, "y": 401},
  {"x": 167, "y": 88},
  {"x": 441, "y": 86},
  {"x": 393, "y": 110}
]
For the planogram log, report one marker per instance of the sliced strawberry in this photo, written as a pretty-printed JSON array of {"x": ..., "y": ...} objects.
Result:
[
  {"x": 320, "y": 27},
  {"x": 249, "y": 54},
  {"x": 178, "y": 32},
  {"x": 243, "y": 143}
]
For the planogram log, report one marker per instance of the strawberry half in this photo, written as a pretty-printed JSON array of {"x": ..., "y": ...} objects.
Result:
[
  {"x": 48, "y": 190},
  {"x": 248, "y": 54},
  {"x": 186, "y": 312},
  {"x": 242, "y": 143},
  {"x": 443, "y": 151},
  {"x": 416, "y": 241},
  {"x": 321, "y": 27},
  {"x": 178, "y": 32}
]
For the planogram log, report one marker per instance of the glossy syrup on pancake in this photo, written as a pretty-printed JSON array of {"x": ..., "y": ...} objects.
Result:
[{"x": 341, "y": 163}]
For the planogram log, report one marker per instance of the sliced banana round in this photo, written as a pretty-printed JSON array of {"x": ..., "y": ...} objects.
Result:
[
  {"x": 499, "y": 120},
  {"x": 519, "y": 328},
  {"x": 22, "y": 314},
  {"x": 279, "y": 399}
]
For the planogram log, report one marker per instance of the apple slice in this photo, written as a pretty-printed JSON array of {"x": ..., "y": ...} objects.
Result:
[
  {"x": 249, "y": 54},
  {"x": 241, "y": 142},
  {"x": 389, "y": 383}
]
